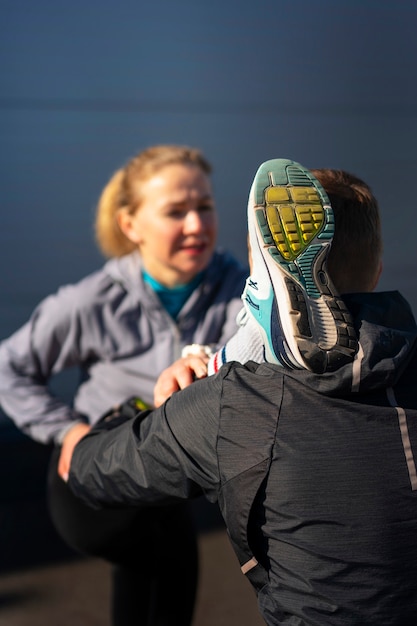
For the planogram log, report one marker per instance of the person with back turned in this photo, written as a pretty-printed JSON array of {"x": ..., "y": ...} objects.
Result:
[{"x": 314, "y": 471}]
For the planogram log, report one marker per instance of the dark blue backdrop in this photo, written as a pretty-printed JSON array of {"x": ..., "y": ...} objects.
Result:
[{"x": 87, "y": 83}]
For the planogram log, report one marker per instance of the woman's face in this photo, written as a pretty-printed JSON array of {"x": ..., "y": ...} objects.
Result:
[{"x": 175, "y": 225}]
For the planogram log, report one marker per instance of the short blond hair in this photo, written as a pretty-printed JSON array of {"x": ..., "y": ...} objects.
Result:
[
  {"x": 355, "y": 255},
  {"x": 123, "y": 192}
]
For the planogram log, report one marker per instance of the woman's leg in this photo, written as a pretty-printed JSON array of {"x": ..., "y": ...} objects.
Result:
[
  {"x": 167, "y": 557},
  {"x": 153, "y": 553}
]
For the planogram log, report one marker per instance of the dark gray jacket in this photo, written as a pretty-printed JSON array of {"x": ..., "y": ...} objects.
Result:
[
  {"x": 315, "y": 475},
  {"x": 112, "y": 326}
]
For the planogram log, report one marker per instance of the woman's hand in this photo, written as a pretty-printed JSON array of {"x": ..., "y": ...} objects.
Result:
[
  {"x": 179, "y": 375},
  {"x": 69, "y": 442}
]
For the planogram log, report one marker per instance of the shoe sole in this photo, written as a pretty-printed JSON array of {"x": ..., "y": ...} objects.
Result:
[{"x": 292, "y": 227}]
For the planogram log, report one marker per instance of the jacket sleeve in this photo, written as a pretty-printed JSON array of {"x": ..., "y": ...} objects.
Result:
[
  {"x": 44, "y": 346},
  {"x": 158, "y": 457}
]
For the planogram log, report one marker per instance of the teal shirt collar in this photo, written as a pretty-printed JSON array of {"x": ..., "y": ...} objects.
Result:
[{"x": 173, "y": 298}]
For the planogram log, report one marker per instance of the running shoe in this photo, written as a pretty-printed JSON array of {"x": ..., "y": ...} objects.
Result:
[{"x": 303, "y": 321}]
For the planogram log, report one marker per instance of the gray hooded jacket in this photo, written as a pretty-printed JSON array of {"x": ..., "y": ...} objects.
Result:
[{"x": 113, "y": 327}]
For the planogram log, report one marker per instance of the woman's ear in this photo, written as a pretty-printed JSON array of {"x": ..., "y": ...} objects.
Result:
[{"x": 127, "y": 225}]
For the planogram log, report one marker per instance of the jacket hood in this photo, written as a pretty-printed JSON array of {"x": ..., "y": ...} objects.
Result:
[{"x": 387, "y": 334}]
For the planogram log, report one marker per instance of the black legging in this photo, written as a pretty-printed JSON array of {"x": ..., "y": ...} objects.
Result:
[{"x": 153, "y": 553}]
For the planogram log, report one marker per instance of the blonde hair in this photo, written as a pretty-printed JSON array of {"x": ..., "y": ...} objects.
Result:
[
  {"x": 123, "y": 192},
  {"x": 355, "y": 255}
]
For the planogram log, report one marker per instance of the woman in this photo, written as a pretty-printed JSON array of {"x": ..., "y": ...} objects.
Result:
[{"x": 164, "y": 287}]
